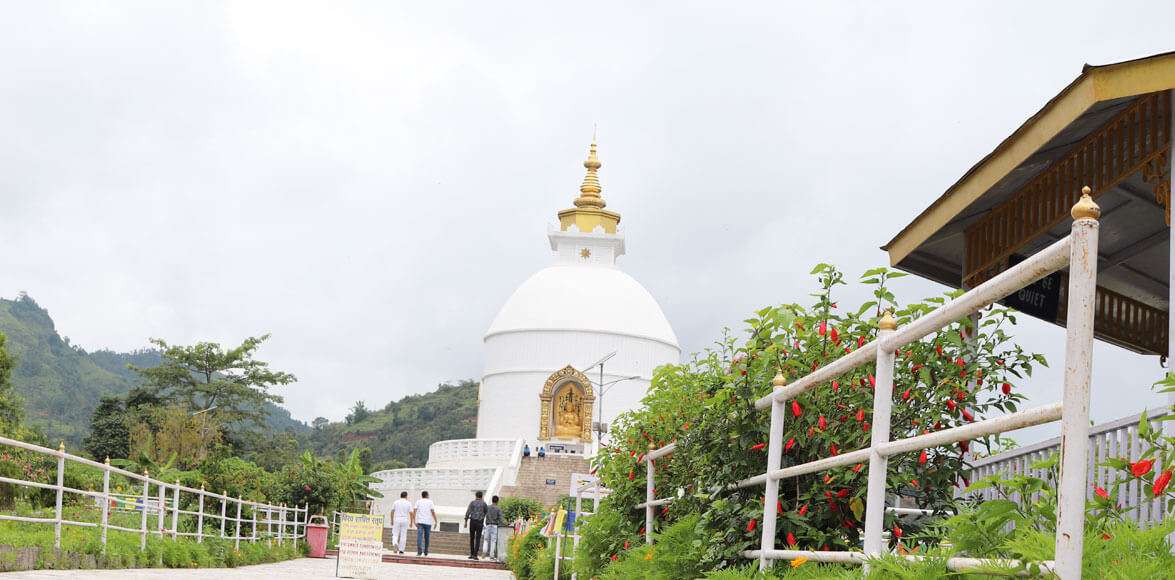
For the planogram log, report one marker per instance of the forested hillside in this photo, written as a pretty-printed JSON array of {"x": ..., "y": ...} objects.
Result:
[
  {"x": 400, "y": 433},
  {"x": 60, "y": 384}
]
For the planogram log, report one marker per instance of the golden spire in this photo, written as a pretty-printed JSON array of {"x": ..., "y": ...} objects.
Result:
[{"x": 589, "y": 212}]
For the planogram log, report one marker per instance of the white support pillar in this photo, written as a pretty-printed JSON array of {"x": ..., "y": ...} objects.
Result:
[
  {"x": 105, "y": 502},
  {"x": 162, "y": 508},
  {"x": 223, "y": 511},
  {"x": 649, "y": 496},
  {"x": 175, "y": 511},
  {"x": 771, "y": 486},
  {"x": 878, "y": 465},
  {"x": 146, "y": 500},
  {"x": 60, "y": 494},
  {"x": 1075, "y": 397},
  {"x": 200, "y": 517},
  {"x": 237, "y": 527}
]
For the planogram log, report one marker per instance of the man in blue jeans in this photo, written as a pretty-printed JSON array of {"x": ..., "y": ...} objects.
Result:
[{"x": 424, "y": 517}]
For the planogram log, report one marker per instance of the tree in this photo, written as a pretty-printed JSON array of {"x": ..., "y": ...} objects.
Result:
[
  {"x": 207, "y": 378},
  {"x": 10, "y": 407},
  {"x": 320, "y": 423},
  {"x": 358, "y": 413},
  {"x": 109, "y": 433}
]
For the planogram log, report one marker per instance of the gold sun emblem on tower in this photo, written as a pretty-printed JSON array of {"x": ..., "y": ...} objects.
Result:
[{"x": 585, "y": 253}]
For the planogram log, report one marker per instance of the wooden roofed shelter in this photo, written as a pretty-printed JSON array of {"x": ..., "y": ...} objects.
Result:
[{"x": 1110, "y": 129}]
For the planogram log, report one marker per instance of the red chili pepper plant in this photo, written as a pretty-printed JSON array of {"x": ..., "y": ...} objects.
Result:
[{"x": 715, "y": 395}]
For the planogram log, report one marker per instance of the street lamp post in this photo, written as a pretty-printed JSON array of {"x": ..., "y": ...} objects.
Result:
[{"x": 602, "y": 388}]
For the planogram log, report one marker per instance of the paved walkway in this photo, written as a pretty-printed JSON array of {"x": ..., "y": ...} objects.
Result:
[{"x": 301, "y": 568}]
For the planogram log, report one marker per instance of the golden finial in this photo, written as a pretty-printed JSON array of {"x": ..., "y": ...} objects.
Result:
[
  {"x": 887, "y": 322},
  {"x": 651, "y": 446},
  {"x": 1085, "y": 207},
  {"x": 61, "y": 447},
  {"x": 589, "y": 190},
  {"x": 779, "y": 380},
  {"x": 107, "y": 460},
  {"x": 146, "y": 473}
]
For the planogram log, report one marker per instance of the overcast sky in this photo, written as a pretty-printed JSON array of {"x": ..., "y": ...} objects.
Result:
[{"x": 369, "y": 182}]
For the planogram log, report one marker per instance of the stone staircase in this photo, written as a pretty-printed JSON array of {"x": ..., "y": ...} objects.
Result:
[
  {"x": 455, "y": 543},
  {"x": 535, "y": 475}
]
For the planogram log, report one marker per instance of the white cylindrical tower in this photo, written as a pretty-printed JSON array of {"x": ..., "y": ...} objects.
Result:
[{"x": 571, "y": 314}]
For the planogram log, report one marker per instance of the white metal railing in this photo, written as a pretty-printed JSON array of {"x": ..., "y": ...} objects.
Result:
[
  {"x": 281, "y": 523},
  {"x": 1078, "y": 251},
  {"x": 1113, "y": 439},
  {"x": 596, "y": 490}
]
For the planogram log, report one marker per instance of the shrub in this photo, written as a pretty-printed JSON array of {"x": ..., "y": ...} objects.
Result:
[
  {"x": 522, "y": 551},
  {"x": 520, "y": 507}
]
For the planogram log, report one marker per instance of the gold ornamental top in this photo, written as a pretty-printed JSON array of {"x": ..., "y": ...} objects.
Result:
[{"x": 589, "y": 212}]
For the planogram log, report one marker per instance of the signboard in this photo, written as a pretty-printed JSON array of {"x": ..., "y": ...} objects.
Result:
[
  {"x": 551, "y": 482},
  {"x": 1041, "y": 299},
  {"x": 360, "y": 545}
]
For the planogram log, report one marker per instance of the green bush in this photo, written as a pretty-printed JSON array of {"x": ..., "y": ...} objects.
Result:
[
  {"x": 522, "y": 551},
  {"x": 520, "y": 507}
]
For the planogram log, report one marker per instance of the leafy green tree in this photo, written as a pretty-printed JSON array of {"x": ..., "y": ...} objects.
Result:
[
  {"x": 10, "y": 407},
  {"x": 358, "y": 413},
  {"x": 206, "y": 377},
  {"x": 109, "y": 433}
]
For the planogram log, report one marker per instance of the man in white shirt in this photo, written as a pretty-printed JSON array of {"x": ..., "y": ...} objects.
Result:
[
  {"x": 424, "y": 517},
  {"x": 401, "y": 511}
]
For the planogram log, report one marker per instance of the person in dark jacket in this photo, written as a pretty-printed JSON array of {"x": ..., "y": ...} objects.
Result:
[
  {"x": 493, "y": 520},
  {"x": 475, "y": 516}
]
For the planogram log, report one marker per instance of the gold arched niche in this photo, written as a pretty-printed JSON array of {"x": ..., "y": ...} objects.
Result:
[{"x": 566, "y": 383}]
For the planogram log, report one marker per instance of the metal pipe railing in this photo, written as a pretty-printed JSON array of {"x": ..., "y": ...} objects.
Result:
[{"x": 1078, "y": 251}]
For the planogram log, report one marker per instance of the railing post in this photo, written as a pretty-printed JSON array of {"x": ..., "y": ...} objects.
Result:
[
  {"x": 223, "y": 510},
  {"x": 175, "y": 511},
  {"x": 281, "y": 527},
  {"x": 649, "y": 496},
  {"x": 305, "y": 520},
  {"x": 1083, "y": 247},
  {"x": 162, "y": 507},
  {"x": 878, "y": 465},
  {"x": 237, "y": 528},
  {"x": 771, "y": 486},
  {"x": 146, "y": 498},
  {"x": 269, "y": 523},
  {"x": 105, "y": 501},
  {"x": 253, "y": 534},
  {"x": 60, "y": 493},
  {"x": 200, "y": 517}
]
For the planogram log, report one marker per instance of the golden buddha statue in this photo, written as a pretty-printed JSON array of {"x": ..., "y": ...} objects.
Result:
[{"x": 568, "y": 416}]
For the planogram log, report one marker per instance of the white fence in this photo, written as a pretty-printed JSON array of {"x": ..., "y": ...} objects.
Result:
[
  {"x": 1114, "y": 439},
  {"x": 237, "y": 516},
  {"x": 1078, "y": 251}
]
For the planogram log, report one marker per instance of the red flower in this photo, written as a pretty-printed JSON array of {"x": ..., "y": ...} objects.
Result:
[
  {"x": 625, "y": 544},
  {"x": 758, "y": 446},
  {"x": 790, "y": 443},
  {"x": 306, "y": 488},
  {"x": 751, "y": 525},
  {"x": 916, "y": 368},
  {"x": 922, "y": 458},
  {"x": 951, "y": 404},
  {"x": 897, "y": 532},
  {"x": 641, "y": 458},
  {"x": 1007, "y": 388},
  {"x": 857, "y": 468},
  {"x": 791, "y": 539},
  {"x": 823, "y": 424},
  {"x": 872, "y": 382},
  {"x": 964, "y": 445},
  {"x": 1142, "y": 467},
  {"x": 865, "y": 426},
  {"x": 860, "y": 341},
  {"x": 959, "y": 361},
  {"x": 834, "y": 450},
  {"x": 842, "y": 493},
  {"x": 823, "y": 327},
  {"x": 1101, "y": 492},
  {"x": 685, "y": 426},
  {"x": 834, "y": 335},
  {"x": 835, "y": 386},
  {"x": 631, "y": 475},
  {"x": 795, "y": 408},
  {"x": 967, "y": 415},
  {"x": 1161, "y": 483},
  {"x": 938, "y": 348},
  {"x": 906, "y": 395},
  {"x": 614, "y": 557},
  {"x": 860, "y": 414},
  {"x": 914, "y": 482},
  {"x": 803, "y": 510},
  {"x": 778, "y": 507}
]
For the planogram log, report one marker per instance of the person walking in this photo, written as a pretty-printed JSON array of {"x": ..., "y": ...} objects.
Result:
[
  {"x": 493, "y": 520},
  {"x": 475, "y": 516},
  {"x": 424, "y": 517},
  {"x": 401, "y": 514}
]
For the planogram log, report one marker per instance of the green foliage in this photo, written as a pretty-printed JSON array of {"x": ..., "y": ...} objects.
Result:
[
  {"x": 522, "y": 551},
  {"x": 520, "y": 507},
  {"x": 61, "y": 384},
  {"x": 603, "y": 535},
  {"x": 237, "y": 477},
  {"x": 10, "y": 405},
  {"x": 109, "y": 431},
  {"x": 943, "y": 381},
  {"x": 227, "y": 383},
  {"x": 403, "y": 429}
]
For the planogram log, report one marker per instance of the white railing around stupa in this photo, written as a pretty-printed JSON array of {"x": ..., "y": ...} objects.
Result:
[
  {"x": 470, "y": 452},
  {"x": 1113, "y": 439},
  {"x": 1079, "y": 252}
]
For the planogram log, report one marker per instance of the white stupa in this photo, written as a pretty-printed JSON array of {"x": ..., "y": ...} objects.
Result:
[{"x": 560, "y": 320}]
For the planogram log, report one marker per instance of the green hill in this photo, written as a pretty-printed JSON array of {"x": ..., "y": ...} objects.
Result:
[
  {"x": 403, "y": 430},
  {"x": 60, "y": 383}
]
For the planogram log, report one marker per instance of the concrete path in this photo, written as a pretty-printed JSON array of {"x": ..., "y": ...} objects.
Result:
[{"x": 301, "y": 568}]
